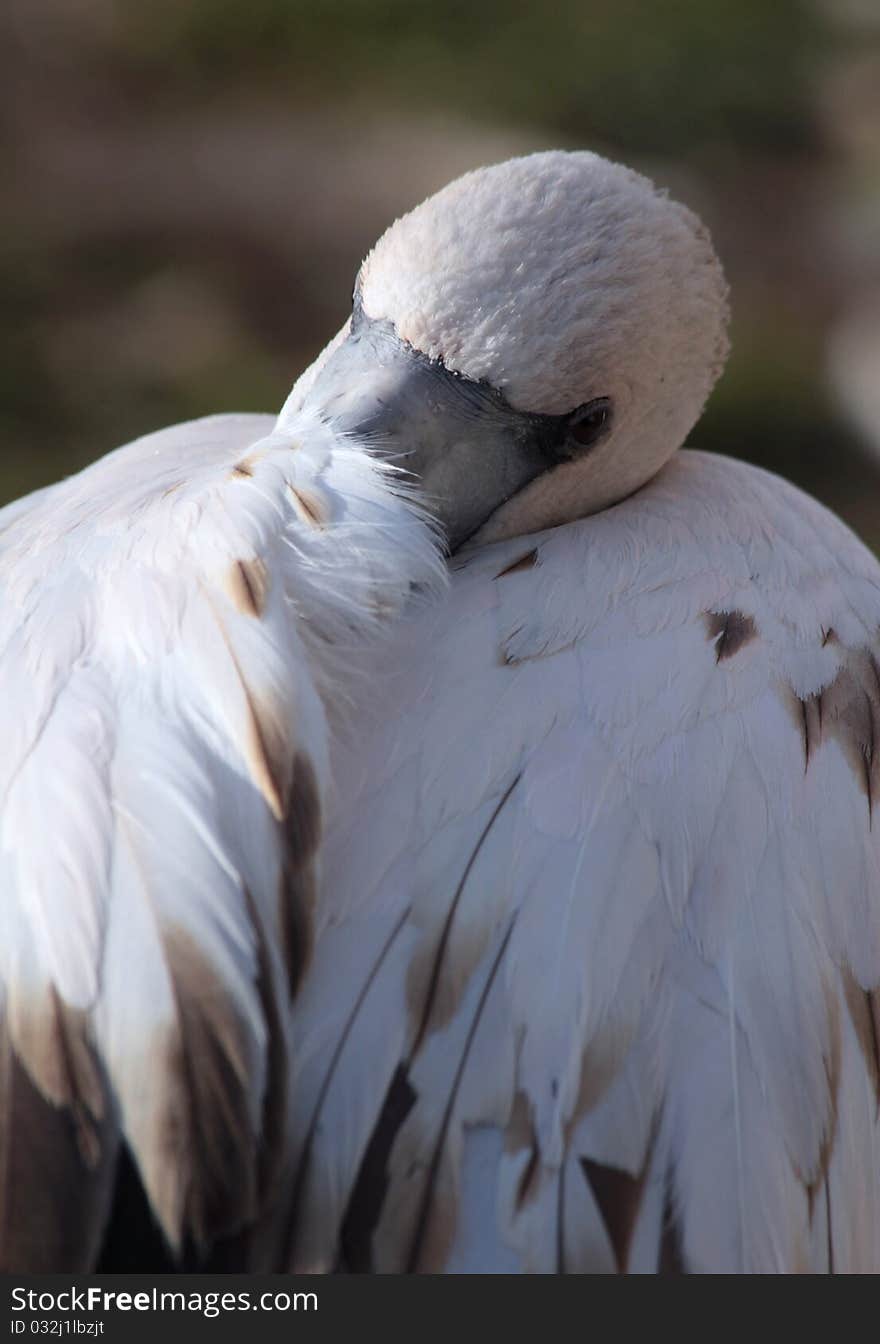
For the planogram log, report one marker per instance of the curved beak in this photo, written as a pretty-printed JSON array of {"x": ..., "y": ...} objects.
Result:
[{"x": 468, "y": 449}]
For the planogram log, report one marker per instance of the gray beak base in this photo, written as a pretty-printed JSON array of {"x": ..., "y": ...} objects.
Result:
[{"x": 468, "y": 449}]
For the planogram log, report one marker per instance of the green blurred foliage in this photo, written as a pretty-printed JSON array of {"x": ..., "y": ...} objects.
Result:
[
  {"x": 647, "y": 78},
  {"x": 118, "y": 327}
]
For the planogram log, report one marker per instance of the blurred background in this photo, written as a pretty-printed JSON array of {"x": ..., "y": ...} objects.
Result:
[{"x": 191, "y": 184}]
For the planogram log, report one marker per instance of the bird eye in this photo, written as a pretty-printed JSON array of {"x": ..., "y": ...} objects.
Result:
[{"x": 588, "y": 423}]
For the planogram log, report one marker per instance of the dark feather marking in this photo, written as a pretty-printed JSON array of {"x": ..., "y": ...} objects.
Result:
[
  {"x": 519, "y": 1134},
  {"x": 296, "y": 908},
  {"x": 514, "y": 660},
  {"x": 527, "y": 1186},
  {"x": 560, "y": 1219},
  {"x": 82, "y": 1088},
  {"x": 872, "y": 697},
  {"x": 864, "y": 1011},
  {"x": 253, "y": 1246},
  {"x": 671, "y": 1260},
  {"x": 210, "y": 1144},
  {"x": 302, "y": 1165},
  {"x": 847, "y": 710},
  {"x": 446, "y": 931},
  {"x": 365, "y": 1206},
  {"x": 51, "y": 1038},
  {"x": 248, "y": 586},
  {"x": 243, "y": 470},
  {"x": 304, "y": 818},
  {"x": 434, "y": 1167},
  {"x": 273, "y": 1132},
  {"x": 133, "y": 1240},
  {"x": 53, "y": 1204},
  {"x": 831, "y": 1065},
  {"x": 809, "y": 715},
  {"x": 618, "y": 1196},
  {"x": 868, "y": 764},
  {"x": 873, "y": 1010},
  {"x": 850, "y": 714},
  {"x": 302, "y": 834},
  {"x": 527, "y": 561},
  {"x": 731, "y": 629},
  {"x": 507, "y": 659},
  {"x": 520, "y": 1131}
]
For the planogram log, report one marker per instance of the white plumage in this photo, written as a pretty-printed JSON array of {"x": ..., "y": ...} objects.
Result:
[
  {"x": 610, "y": 867},
  {"x": 169, "y": 626},
  {"x": 590, "y": 839}
]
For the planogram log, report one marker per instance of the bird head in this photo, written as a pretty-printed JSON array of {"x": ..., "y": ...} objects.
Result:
[{"x": 532, "y": 343}]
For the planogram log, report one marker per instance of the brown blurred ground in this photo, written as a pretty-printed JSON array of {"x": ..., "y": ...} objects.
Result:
[{"x": 189, "y": 188}]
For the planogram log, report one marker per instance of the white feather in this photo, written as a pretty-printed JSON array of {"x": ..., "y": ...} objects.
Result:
[
  {"x": 177, "y": 625},
  {"x": 591, "y": 794}
]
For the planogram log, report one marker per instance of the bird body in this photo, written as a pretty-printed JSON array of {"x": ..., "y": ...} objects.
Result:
[{"x": 535, "y": 927}]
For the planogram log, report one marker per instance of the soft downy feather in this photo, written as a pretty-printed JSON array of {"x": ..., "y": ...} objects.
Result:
[{"x": 176, "y": 634}]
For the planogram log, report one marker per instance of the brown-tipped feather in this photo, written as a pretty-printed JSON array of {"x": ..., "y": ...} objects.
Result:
[
  {"x": 309, "y": 507},
  {"x": 274, "y": 1127},
  {"x": 527, "y": 561},
  {"x": 864, "y": 1009},
  {"x": 50, "y": 1038},
  {"x": 297, "y": 894},
  {"x": 248, "y": 585},
  {"x": 847, "y": 710},
  {"x": 832, "y": 1063},
  {"x": 224, "y": 1169},
  {"x": 671, "y": 1258},
  {"x": 258, "y": 1247},
  {"x": 304, "y": 813},
  {"x": 371, "y": 1186},
  {"x": 54, "y": 1204},
  {"x": 244, "y": 469},
  {"x": 267, "y": 753},
  {"x": 520, "y": 1136},
  {"x": 731, "y": 631},
  {"x": 618, "y": 1197},
  {"x": 201, "y": 1175},
  {"x": 296, "y": 907}
]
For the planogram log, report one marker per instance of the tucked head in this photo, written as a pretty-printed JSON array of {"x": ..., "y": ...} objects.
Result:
[{"x": 533, "y": 342}]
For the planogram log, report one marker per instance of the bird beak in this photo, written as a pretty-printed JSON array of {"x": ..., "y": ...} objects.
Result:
[{"x": 466, "y": 447}]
